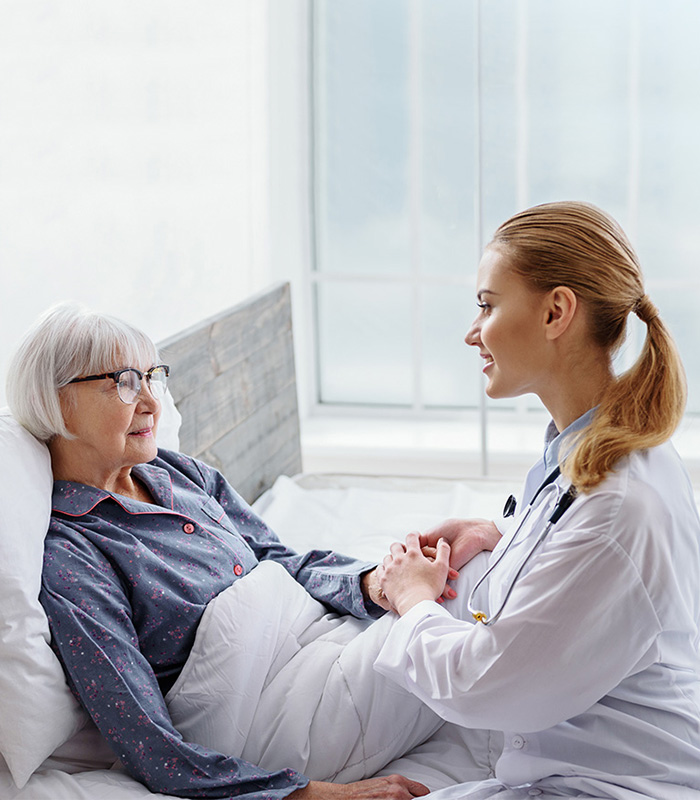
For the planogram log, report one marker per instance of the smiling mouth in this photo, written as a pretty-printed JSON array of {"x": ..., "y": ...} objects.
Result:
[{"x": 143, "y": 432}]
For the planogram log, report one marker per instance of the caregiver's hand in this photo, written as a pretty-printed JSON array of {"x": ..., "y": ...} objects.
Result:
[
  {"x": 393, "y": 787},
  {"x": 410, "y": 576},
  {"x": 466, "y": 537}
]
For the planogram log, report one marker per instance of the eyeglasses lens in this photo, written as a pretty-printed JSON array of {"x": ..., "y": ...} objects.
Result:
[
  {"x": 129, "y": 386},
  {"x": 158, "y": 381},
  {"x": 129, "y": 383}
]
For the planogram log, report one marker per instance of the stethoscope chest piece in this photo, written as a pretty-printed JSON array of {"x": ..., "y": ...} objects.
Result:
[{"x": 509, "y": 507}]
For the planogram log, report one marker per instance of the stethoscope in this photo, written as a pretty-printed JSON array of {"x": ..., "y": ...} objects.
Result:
[{"x": 562, "y": 505}]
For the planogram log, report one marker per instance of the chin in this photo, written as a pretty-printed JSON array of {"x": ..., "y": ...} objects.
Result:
[
  {"x": 493, "y": 393},
  {"x": 146, "y": 451},
  {"x": 498, "y": 393}
]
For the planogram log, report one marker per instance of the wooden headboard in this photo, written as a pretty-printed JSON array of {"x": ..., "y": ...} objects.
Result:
[{"x": 233, "y": 380}]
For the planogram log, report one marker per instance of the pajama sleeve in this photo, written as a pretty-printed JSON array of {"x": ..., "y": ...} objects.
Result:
[{"x": 331, "y": 578}]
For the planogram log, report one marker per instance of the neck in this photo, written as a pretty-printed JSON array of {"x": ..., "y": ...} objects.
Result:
[
  {"x": 571, "y": 395},
  {"x": 118, "y": 481}
]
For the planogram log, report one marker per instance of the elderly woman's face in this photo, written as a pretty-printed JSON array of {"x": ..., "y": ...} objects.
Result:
[{"x": 110, "y": 435}]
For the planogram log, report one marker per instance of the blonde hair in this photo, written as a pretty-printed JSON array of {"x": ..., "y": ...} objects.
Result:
[
  {"x": 577, "y": 245},
  {"x": 67, "y": 342}
]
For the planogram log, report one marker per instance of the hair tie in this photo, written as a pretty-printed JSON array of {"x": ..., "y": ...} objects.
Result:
[{"x": 645, "y": 309}]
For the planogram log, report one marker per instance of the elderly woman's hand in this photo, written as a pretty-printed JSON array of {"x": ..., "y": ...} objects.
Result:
[
  {"x": 466, "y": 537},
  {"x": 410, "y": 576},
  {"x": 372, "y": 590},
  {"x": 392, "y": 787}
]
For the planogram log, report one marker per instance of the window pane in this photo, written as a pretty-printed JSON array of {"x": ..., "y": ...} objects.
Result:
[
  {"x": 668, "y": 237},
  {"x": 576, "y": 104},
  {"x": 679, "y": 309},
  {"x": 555, "y": 104},
  {"x": 364, "y": 337},
  {"x": 362, "y": 129},
  {"x": 451, "y": 370},
  {"x": 447, "y": 140}
]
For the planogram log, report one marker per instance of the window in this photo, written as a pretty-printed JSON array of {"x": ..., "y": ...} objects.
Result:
[{"x": 435, "y": 120}]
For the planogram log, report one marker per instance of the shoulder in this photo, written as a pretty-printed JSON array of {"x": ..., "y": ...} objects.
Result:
[
  {"x": 645, "y": 509},
  {"x": 651, "y": 487},
  {"x": 180, "y": 465},
  {"x": 73, "y": 558}
]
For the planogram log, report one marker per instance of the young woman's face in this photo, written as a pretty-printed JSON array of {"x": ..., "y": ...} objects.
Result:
[{"x": 509, "y": 329}]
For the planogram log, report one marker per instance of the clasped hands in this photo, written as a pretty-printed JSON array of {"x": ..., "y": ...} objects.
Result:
[{"x": 420, "y": 568}]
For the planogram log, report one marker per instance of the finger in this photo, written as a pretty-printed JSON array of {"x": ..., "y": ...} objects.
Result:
[
  {"x": 428, "y": 552},
  {"x": 442, "y": 556},
  {"x": 413, "y": 541},
  {"x": 449, "y": 593},
  {"x": 416, "y": 789},
  {"x": 452, "y": 574},
  {"x": 397, "y": 549}
]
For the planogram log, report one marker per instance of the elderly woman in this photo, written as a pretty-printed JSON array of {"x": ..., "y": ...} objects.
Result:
[{"x": 140, "y": 542}]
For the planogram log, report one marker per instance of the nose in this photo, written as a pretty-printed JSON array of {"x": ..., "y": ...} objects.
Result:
[
  {"x": 473, "y": 336},
  {"x": 146, "y": 399}
]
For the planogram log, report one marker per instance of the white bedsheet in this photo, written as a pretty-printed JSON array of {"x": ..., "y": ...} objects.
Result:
[{"x": 360, "y": 517}]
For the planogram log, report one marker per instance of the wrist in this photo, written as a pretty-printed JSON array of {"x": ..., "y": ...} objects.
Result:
[
  {"x": 404, "y": 604},
  {"x": 490, "y": 536},
  {"x": 372, "y": 594}
]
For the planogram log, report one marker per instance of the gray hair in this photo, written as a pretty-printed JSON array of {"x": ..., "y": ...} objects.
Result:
[{"x": 68, "y": 342}]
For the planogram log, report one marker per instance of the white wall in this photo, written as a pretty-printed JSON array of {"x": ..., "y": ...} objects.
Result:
[{"x": 134, "y": 159}]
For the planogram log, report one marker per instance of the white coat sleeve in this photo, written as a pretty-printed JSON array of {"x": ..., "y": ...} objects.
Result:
[{"x": 577, "y": 623}]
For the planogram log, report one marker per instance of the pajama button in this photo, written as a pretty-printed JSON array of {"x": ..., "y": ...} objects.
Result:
[
  {"x": 518, "y": 742},
  {"x": 238, "y": 570},
  {"x": 188, "y": 527}
]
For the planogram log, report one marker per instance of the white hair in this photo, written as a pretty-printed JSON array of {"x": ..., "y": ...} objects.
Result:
[{"x": 68, "y": 342}]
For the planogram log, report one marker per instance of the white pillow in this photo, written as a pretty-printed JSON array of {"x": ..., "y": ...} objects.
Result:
[
  {"x": 39, "y": 712},
  {"x": 168, "y": 433}
]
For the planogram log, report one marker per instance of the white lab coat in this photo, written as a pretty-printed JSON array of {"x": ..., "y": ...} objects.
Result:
[{"x": 592, "y": 671}]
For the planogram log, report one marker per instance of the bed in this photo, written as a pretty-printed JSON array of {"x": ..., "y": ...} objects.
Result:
[{"x": 232, "y": 403}]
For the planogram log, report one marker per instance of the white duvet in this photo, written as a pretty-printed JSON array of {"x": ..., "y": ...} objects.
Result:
[{"x": 275, "y": 679}]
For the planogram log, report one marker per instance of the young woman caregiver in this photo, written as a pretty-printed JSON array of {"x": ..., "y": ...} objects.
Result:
[{"x": 580, "y": 642}]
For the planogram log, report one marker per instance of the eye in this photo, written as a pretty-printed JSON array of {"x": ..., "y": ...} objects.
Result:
[{"x": 484, "y": 306}]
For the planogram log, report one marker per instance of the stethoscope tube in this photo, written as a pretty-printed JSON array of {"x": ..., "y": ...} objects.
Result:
[{"x": 561, "y": 507}]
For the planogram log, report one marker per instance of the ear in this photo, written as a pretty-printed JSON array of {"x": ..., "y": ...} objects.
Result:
[{"x": 560, "y": 306}]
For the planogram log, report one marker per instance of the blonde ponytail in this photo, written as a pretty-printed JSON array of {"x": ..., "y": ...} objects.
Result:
[
  {"x": 641, "y": 409},
  {"x": 579, "y": 246}
]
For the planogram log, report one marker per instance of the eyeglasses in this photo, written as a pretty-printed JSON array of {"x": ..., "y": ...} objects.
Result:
[{"x": 129, "y": 381}]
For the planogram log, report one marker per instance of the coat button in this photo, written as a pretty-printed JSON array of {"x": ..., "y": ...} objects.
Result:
[
  {"x": 188, "y": 527},
  {"x": 238, "y": 570},
  {"x": 518, "y": 742}
]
